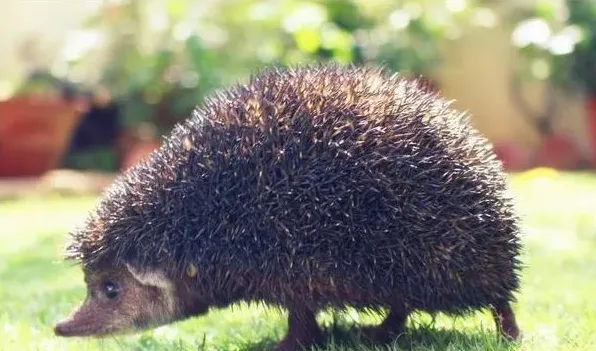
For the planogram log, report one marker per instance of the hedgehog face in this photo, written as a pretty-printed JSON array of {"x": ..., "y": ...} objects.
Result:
[{"x": 123, "y": 300}]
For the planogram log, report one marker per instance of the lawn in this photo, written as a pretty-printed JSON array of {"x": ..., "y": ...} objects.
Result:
[{"x": 556, "y": 308}]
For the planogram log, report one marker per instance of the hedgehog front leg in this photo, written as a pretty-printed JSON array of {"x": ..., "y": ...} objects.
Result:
[
  {"x": 390, "y": 328},
  {"x": 505, "y": 321},
  {"x": 303, "y": 331}
]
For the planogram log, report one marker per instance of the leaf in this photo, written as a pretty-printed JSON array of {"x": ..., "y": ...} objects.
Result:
[
  {"x": 136, "y": 110},
  {"x": 546, "y": 9},
  {"x": 307, "y": 40},
  {"x": 177, "y": 8},
  {"x": 203, "y": 60}
]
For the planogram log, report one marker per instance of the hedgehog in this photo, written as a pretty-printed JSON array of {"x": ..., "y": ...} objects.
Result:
[{"x": 307, "y": 188}]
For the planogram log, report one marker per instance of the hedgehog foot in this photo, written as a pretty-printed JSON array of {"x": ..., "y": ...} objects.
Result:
[
  {"x": 303, "y": 331},
  {"x": 505, "y": 321},
  {"x": 391, "y": 327}
]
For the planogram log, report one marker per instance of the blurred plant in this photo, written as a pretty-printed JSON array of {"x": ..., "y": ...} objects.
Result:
[
  {"x": 557, "y": 43},
  {"x": 161, "y": 57}
]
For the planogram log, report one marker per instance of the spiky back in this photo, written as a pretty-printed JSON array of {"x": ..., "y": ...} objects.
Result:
[{"x": 330, "y": 174}]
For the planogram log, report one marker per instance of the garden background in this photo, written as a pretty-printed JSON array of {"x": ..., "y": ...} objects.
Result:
[{"x": 87, "y": 88}]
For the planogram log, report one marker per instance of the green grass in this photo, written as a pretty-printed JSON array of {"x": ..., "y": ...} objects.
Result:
[{"x": 556, "y": 308}]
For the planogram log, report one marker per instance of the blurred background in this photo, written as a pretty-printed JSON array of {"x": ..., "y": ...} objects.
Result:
[
  {"x": 92, "y": 85},
  {"x": 89, "y": 87}
]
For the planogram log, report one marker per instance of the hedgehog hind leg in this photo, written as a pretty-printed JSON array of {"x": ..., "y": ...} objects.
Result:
[
  {"x": 303, "y": 331},
  {"x": 390, "y": 328},
  {"x": 505, "y": 321}
]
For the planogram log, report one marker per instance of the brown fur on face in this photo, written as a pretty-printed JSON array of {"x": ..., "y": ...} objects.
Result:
[{"x": 121, "y": 300}]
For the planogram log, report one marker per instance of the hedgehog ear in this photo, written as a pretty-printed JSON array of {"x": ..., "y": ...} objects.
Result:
[{"x": 150, "y": 277}]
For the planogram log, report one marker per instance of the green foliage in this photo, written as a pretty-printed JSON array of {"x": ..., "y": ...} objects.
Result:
[
  {"x": 100, "y": 159},
  {"x": 557, "y": 42},
  {"x": 162, "y": 57},
  {"x": 555, "y": 308}
]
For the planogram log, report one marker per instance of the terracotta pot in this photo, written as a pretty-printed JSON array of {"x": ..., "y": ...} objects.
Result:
[
  {"x": 137, "y": 152},
  {"x": 34, "y": 134},
  {"x": 558, "y": 151},
  {"x": 591, "y": 126},
  {"x": 514, "y": 158}
]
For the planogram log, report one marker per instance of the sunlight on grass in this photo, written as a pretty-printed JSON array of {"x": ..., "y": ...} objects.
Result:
[{"x": 556, "y": 308}]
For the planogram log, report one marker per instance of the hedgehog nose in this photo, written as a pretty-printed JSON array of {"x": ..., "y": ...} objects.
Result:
[
  {"x": 62, "y": 329},
  {"x": 59, "y": 329}
]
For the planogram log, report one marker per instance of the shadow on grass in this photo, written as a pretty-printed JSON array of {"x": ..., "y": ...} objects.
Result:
[
  {"x": 153, "y": 343},
  {"x": 421, "y": 338}
]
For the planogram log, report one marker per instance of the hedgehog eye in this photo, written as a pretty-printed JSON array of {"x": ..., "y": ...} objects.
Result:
[{"x": 111, "y": 289}]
